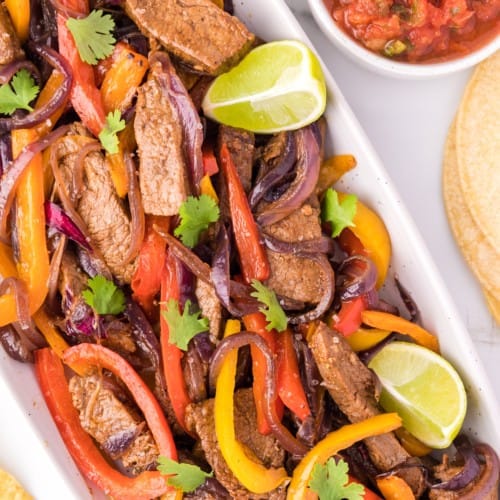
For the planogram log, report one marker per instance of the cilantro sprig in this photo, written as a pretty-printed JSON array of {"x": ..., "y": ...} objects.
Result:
[
  {"x": 183, "y": 327},
  {"x": 339, "y": 213},
  {"x": 103, "y": 296},
  {"x": 196, "y": 215},
  {"x": 113, "y": 125},
  {"x": 271, "y": 309},
  {"x": 331, "y": 482},
  {"x": 18, "y": 93},
  {"x": 184, "y": 476},
  {"x": 93, "y": 36}
]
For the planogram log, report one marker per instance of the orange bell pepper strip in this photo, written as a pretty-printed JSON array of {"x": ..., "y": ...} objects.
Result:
[
  {"x": 348, "y": 319},
  {"x": 289, "y": 384},
  {"x": 393, "y": 323},
  {"x": 411, "y": 444},
  {"x": 334, "y": 442},
  {"x": 51, "y": 378},
  {"x": 246, "y": 467},
  {"x": 116, "y": 161},
  {"x": 394, "y": 488},
  {"x": 253, "y": 256},
  {"x": 373, "y": 235},
  {"x": 210, "y": 166},
  {"x": 146, "y": 281},
  {"x": 366, "y": 338},
  {"x": 123, "y": 77},
  {"x": 257, "y": 323},
  {"x": 7, "y": 264},
  {"x": 171, "y": 354},
  {"x": 332, "y": 169},
  {"x": 85, "y": 96},
  {"x": 206, "y": 187},
  {"x": 20, "y": 13}
]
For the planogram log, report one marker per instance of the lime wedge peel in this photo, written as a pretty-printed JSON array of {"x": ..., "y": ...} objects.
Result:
[
  {"x": 424, "y": 389},
  {"x": 277, "y": 86}
]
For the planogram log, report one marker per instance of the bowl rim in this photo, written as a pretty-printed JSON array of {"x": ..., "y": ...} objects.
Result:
[{"x": 386, "y": 66}]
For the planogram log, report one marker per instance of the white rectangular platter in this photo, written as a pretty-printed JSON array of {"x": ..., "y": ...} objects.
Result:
[{"x": 39, "y": 458}]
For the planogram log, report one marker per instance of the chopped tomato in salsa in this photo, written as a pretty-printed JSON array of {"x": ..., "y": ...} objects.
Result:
[{"x": 418, "y": 30}]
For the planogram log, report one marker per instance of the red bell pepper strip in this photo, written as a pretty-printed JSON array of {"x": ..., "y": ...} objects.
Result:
[
  {"x": 210, "y": 166},
  {"x": 348, "y": 319},
  {"x": 146, "y": 281},
  {"x": 85, "y": 96},
  {"x": 256, "y": 322},
  {"x": 253, "y": 257},
  {"x": 288, "y": 380},
  {"x": 172, "y": 355},
  {"x": 50, "y": 373}
]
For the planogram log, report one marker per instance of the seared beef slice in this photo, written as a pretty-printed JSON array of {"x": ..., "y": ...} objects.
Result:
[
  {"x": 10, "y": 47},
  {"x": 162, "y": 171},
  {"x": 351, "y": 385},
  {"x": 197, "y": 31},
  {"x": 200, "y": 419},
  {"x": 120, "y": 434},
  {"x": 99, "y": 206}
]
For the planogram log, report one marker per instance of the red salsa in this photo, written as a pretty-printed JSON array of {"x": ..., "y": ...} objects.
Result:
[{"x": 418, "y": 30}]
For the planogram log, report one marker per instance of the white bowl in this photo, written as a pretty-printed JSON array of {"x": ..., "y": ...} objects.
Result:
[{"x": 386, "y": 66}]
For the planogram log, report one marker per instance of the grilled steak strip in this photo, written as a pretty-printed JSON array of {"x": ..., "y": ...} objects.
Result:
[
  {"x": 198, "y": 32},
  {"x": 352, "y": 386},
  {"x": 10, "y": 47}
]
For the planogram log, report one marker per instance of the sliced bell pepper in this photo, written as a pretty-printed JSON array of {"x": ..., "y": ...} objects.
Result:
[
  {"x": 50, "y": 373},
  {"x": 253, "y": 256},
  {"x": 393, "y": 323},
  {"x": 371, "y": 231},
  {"x": 85, "y": 96},
  {"x": 146, "y": 281},
  {"x": 289, "y": 384},
  {"x": 206, "y": 187},
  {"x": 172, "y": 355},
  {"x": 7, "y": 264},
  {"x": 348, "y": 319},
  {"x": 116, "y": 161},
  {"x": 249, "y": 472},
  {"x": 394, "y": 488},
  {"x": 411, "y": 444},
  {"x": 257, "y": 323},
  {"x": 20, "y": 13},
  {"x": 332, "y": 169},
  {"x": 366, "y": 338},
  {"x": 334, "y": 442},
  {"x": 210, "y": 166}
]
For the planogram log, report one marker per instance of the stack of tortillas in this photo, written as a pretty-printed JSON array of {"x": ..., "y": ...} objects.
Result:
[
  {"x": 471, "y": 178},
  {"x": 10, "y": 489}
]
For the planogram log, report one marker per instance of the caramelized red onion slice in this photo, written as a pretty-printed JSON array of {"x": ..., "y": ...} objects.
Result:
[
  {"x": 9, "y": 70},
  {"x": 357, "y": 275},
  {"x": 324, "y": 244},
  {"x": 187, "y": 113},
  {"x": 488, "y": 481},
  {"x": 54, "y": 270},
  {"x": 307, "y": 173},
  {"x": 11, "y": 178},
  {"x": 328, "y": 293},
  {"x": 138, "y": 220},
  {"x": 281, "y": 433},
  {"x": 408, "y": 301},
  {"x": 60, "y": 95},
  {"x": 57, "y": 218},
  {"x": 14, "y": 345},
  {"x": 277, "y": 174},
  {"x": 79, "y": 168}
]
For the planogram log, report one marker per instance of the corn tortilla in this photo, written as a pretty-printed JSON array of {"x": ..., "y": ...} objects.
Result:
[
  {"x": 493, "y": 305},
  {"x": 482, "y": 257},
  {"x": 478, "y": 148},
  {"x": 10, "y": 489}
]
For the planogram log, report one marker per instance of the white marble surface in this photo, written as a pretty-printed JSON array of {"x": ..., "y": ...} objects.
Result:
[{"x": 407, "y": 122}]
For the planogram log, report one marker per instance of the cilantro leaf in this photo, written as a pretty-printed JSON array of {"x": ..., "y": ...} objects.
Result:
[
  {"x": 104, "y": 296},
  {"x": 18, "y": 93},
  {"x": 183, "y": 327},
  {"x": 108, "y": 137},
  {"x": 92, "y": 35},
  {"x": 273, "y": 312},
  {"x": 186, "y": 477},
  {"x": 340, "y": 214},
  {"x": 196, "y": 215},
  {"x": 331, "y": 482}
]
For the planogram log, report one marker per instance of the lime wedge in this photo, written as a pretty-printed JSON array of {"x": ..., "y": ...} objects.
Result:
[
  {"x": 424, "y": 389},
  {"x": 277, "y": 86}
]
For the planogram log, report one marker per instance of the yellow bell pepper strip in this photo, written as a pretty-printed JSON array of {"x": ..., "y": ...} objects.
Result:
[
  {"x": 116, "y": 162},
  {"x": 411, "y": 444},
  {"x": 7, "y": 264},
  {"x": 366, "y": 338},
  {"x": 206, "y": 187},
  {"x": 250, "y": 473},
  {"x": 394, "y": 488},
  {"x": 373, "y": 235},
  {"x": 334, "y": 442},
  {"x": 332, "y": 169},
  {"x": 393, "y": 323},
  {"x": 19, "y": 11}
]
